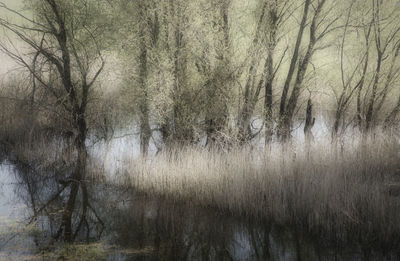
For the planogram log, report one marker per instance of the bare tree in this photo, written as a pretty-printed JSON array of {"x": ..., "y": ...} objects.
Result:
[
  {"x": 385, "y": 32},
  {"x": 219, "y": 84},
  {"x": 382, "y": 44},
  {"x": 178, "y": 125},
  {"x": 284, "y": 129},
  {"x": 318, "y": 29},
  {"x": 272, "y": 17},
  {"x": 54, "y": 36},
  {"x": 348, "y": 88},
  {"x": 145, "y": 131},
  {"x": 148, "y": 37}
]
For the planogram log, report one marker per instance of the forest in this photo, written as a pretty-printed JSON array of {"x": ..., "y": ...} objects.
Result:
[{"x": 200, "y": 129}]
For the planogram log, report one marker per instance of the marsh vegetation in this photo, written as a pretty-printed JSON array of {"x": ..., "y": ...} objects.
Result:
[{"x": 200, "y": 130}]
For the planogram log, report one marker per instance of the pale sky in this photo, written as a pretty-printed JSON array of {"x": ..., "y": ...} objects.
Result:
[
  {"x": 5, "y": 62},
  {"x": 14, "y": 4}
]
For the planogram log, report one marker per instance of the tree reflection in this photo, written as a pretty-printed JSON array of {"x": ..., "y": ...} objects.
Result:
[
  {"x": 48, "y": 192},
  {"x": 140, "y": 227}
]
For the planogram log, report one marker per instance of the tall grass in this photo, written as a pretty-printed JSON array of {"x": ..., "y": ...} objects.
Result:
[{"x": 348, "y": 192}]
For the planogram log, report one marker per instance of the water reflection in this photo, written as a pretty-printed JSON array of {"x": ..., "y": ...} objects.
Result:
[
  {"x": 179, "y": 231},
  {"x": 127, "y": 225},
  {"x": 45, "y": 192}
]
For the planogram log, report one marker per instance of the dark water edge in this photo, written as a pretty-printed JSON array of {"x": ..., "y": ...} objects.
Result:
[{"x": 139, "y": 227}]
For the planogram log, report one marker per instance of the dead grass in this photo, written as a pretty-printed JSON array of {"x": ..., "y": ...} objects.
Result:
[{"x": 346, "y": 192}]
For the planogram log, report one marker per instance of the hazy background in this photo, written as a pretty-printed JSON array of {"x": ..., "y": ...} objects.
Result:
[{"x": 6, "y": 63}]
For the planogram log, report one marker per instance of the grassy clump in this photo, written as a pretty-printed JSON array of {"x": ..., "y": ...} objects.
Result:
[{"x": 87, "y": 252}]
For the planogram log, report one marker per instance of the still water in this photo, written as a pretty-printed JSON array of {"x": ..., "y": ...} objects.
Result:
[{"x": 122, "y": 224}]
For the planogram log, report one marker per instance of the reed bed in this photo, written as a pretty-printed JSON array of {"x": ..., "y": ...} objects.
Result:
[{"x": 350, "y": 192}]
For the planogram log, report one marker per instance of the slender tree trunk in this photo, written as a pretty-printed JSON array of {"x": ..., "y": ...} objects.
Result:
[
  {"x": 77, "y": 177},
  {"x": 272, "y": 42},
  {"x": 380, "y": 56},
  {"x": 218, "y": 88},
  {"x": 362, "y": 80},
  {"x": 182, "y": 130},
  {"x": 289, "y": 110},
  {"x": 250, "y": 95},
  {"x": 145, "y": 131},
  {"x": 284, "y": 121},
  {"x": 336, "y": 124},
  {"x": 294, "y": 59},
  {"x": 371, "y": 103},
  {"x": 310, "y": 121},
  {"x": 268, "y": 96}
]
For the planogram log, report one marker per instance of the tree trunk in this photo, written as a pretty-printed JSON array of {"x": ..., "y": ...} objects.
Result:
[
  {"x": 272, "y": 42},
  {"x": 370, "y": 108},
  {"x": 77, "y": 177},
  {"x": 218, "y": 88},
  {"x": 182, "y": 129},
  {"x": 310, "y": 121},
  {"x": 285, "y": 121},
  {"x": 287, "y": 113},
  {"x": 145, "y": 131},
  {"x": 293, "y": 62},
  {"x": 268, "y": 96}
]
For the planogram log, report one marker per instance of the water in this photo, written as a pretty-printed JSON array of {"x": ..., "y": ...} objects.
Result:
[
  {"x": 137, "y": 227},
  {"x": 122, "y": 224}
]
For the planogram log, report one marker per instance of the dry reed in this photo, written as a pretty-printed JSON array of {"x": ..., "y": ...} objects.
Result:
[{"x": 348, "y": 192}]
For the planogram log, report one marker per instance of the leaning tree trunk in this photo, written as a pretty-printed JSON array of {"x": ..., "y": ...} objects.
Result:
[
  {"x": 268, "y": 96},
  {"x": 288, "y": 111},
  {"x": 285, "y": 119},
  {"x": 250, "y": 95},
  {"x": 371, "y": 103}
]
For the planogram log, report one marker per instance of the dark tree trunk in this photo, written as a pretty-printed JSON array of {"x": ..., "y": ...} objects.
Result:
[
  {"x": 274, "y": 17},
  {"x": 78, "y": 176},
  {"x": 288, "y": 111},
  {"x": 310, "y": 121},
  {"x": 250, "y": 95},
  {"x": 371, "y": 103},
  {"x": 293, "y": 62},
  {"x": 285, "y": 119},
  {"x": 268, "y": 96},
  {"x": 182, "y": 129},
  {"x": 73, "y": 72},
  {"x": 145, "y": 131},
  {"x": 218, "y": 88}
]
